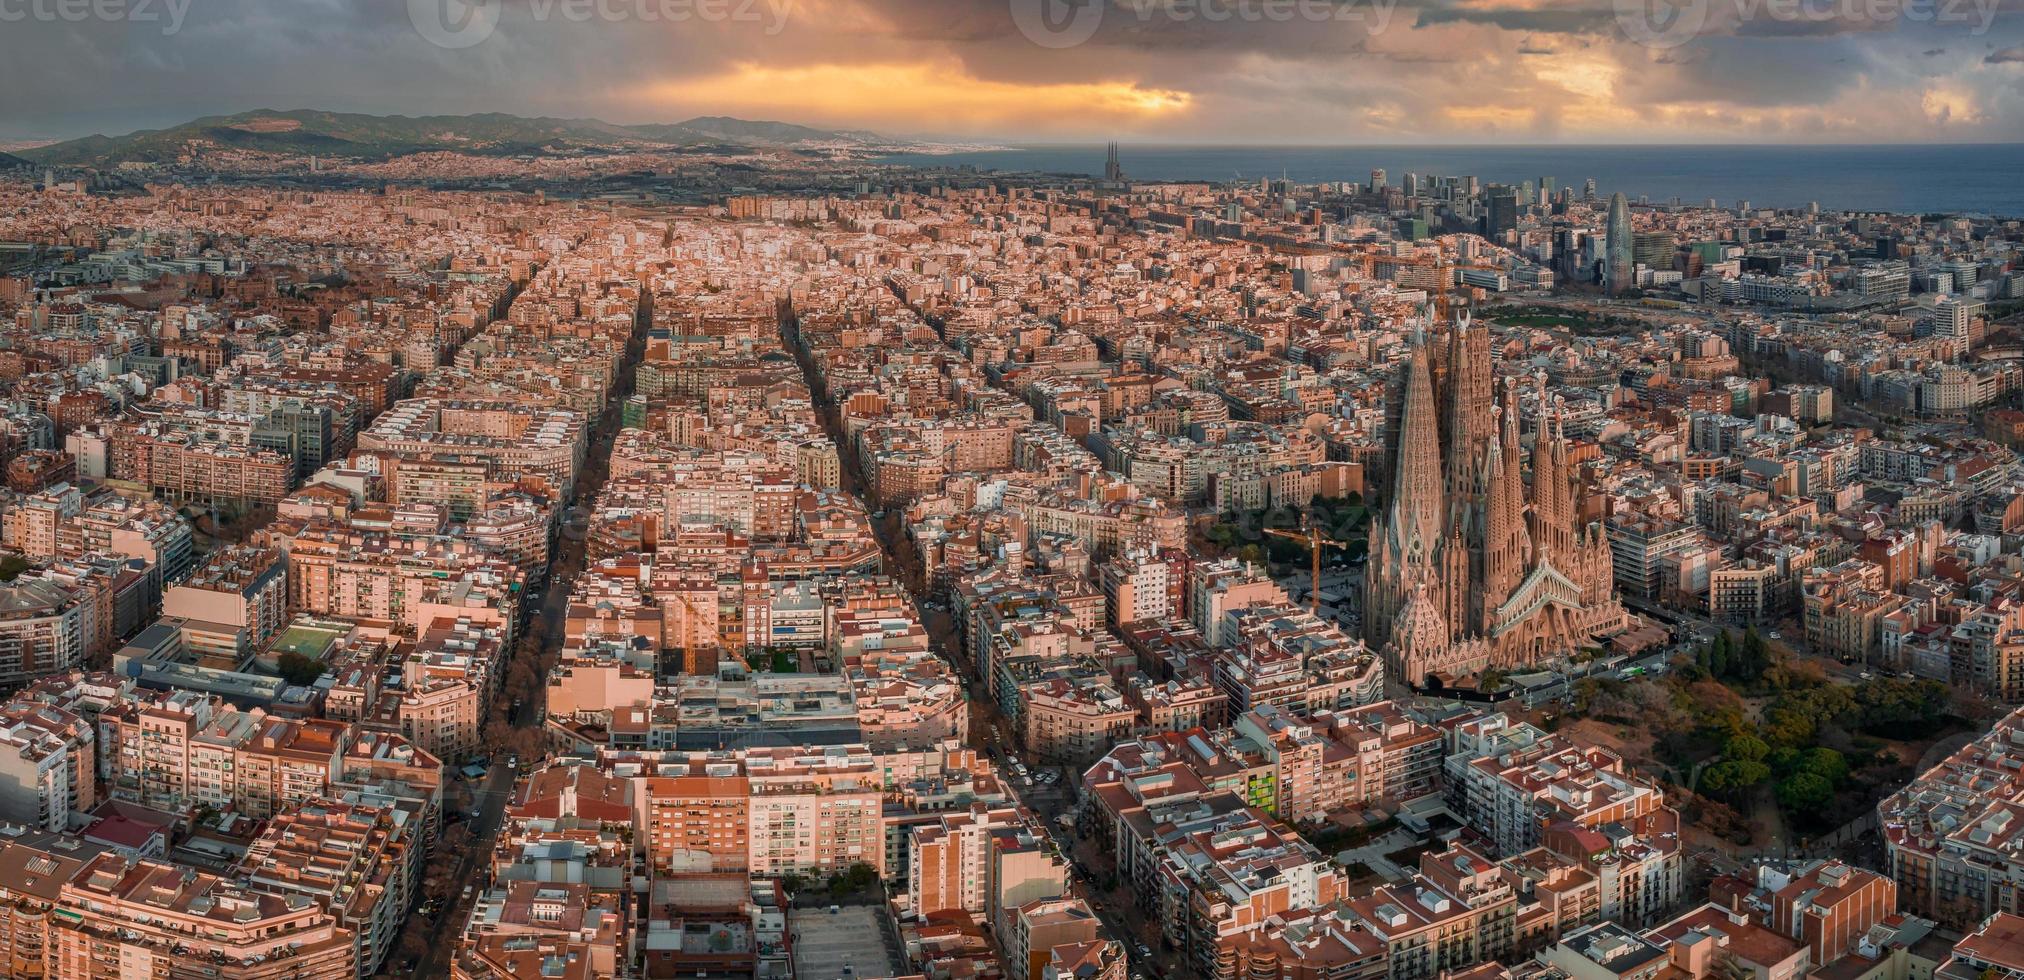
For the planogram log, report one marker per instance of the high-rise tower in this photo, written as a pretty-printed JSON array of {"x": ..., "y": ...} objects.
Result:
[{"x": 1619, "y": 272}]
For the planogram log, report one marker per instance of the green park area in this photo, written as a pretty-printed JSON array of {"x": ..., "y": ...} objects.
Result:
[{"x": 1761, "y": 745}]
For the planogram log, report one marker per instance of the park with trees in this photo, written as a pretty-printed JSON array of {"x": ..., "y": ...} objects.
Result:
[
  {"x": 1756, "y": 743},
  {"x": 1343, "y": 522}
]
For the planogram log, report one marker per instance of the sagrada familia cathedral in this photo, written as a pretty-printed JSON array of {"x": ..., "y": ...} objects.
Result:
[{"x": 1469, "y": 569}]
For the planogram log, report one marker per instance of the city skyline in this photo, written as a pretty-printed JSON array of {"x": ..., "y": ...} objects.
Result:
[
  {"x": 1011, "y": 489},
  {"x": 1270, "y": 71}
]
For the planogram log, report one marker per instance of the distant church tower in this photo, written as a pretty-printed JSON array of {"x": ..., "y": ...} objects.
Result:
[{"x": 1113, "y": 171}]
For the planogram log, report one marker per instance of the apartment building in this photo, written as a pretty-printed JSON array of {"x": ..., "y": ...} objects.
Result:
[
  {"x": 47, "y": 627},
  {"x": 118, "y": 917},
  {"x": 48, "y": 765},
  {"x": 951, "y": 858},
  {"x": 360, "y": 864},
  {"x": 1216, "y": 589},
  {"x": 510, "y": 440},
  {"x": 445, "y": 688},
  {"x": 1287, "y": 657},
  {"x": 1041, "y": 926},
  {"x": 1513, "y": 781},
  {"x": 699, "y": 821},
  {"x": 1828, "y": 905},
  {"x": 1460, "y": 910},
  {"x": 1953, "y": 834},
  {"x": 1226, "y": 876},
  {"x": 809, "y": 823},
  {"x": 1394, "y": 758},
  {"x": 232, "y": 606}
]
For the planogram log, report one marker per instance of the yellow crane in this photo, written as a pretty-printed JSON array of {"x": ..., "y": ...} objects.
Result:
[{"x": 1311, "y": 537}]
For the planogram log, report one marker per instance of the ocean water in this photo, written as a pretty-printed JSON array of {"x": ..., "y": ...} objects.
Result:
[{"x": 1952, "y": 178}]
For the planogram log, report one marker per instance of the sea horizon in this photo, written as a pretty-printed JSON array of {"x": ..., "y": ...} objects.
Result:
[{"x": 1951, "y": 178}]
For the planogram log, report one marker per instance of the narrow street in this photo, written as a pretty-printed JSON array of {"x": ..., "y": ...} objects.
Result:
[
  {"x": 990, "y": 730},
  {"x": 989, "y": 727},
  {"x": 566, "y": 562}
]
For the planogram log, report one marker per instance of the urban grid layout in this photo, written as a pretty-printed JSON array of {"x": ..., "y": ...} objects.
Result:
[{"x": 491, "y": 547}]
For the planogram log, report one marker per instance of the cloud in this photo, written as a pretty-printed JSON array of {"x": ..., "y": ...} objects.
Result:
[
  {"x": 1946, "y": 105},
  {"x": 909, "y": 96},
  {"x": 1428, "y": 71}
]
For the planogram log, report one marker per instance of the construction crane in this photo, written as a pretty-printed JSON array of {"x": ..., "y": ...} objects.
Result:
[{"x": 1310, "y": 536}]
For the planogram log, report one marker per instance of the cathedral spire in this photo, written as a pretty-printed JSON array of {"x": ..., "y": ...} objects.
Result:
[
  {"x": 1460, "y": 585},
  {"x": 1415, "y": 514},
  {"x": 1468, "y": 403},
  {"x": 1552, "y": 488}
]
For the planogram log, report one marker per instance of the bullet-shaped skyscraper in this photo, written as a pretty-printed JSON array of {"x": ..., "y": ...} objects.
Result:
[{"x": 1618, "y": 271}]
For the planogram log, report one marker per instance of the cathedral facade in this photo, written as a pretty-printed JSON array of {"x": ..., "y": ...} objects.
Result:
[{"x": 1470, "y": 568}]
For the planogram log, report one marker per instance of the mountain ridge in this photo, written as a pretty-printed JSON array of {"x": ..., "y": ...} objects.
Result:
[{"x": 304, "y": 132}]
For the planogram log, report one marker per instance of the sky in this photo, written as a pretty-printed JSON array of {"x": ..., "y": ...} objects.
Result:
[{"x": 1329, "y": 72}]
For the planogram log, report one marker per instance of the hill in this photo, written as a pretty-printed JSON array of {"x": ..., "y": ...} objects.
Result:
[
  {"x": 303, "y": 132},
  {"x": 748, "y": 131}
]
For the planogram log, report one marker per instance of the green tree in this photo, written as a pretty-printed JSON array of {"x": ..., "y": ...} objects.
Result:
[
  {"x": 1805, "y": 792},
  {"x": 1746, "y": 748},
  {"x": 1890, "y": 707},
  {"x": 1721, "y": 660},
  {"x": 1825, "y": 763},
  {"x": 1755, "y": 657},
  {"x": 860, "y": 877},
  {"x": 1786, "y": 760},
  {"x": 1734, "y": 776}
]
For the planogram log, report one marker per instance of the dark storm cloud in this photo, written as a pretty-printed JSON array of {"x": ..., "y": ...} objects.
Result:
[{"x": 65, "y": 79}]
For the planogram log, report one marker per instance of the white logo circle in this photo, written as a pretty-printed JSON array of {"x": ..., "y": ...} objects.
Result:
[
  {"x": 1661, "y": 23},
  {"x": 1058, "y": 23},
  {"x": 454, "y": 24}
]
